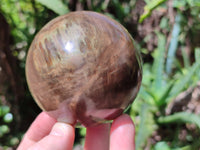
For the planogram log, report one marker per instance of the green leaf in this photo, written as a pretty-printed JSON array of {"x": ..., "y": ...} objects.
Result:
[
  {"x": 4, "y": 129},
  {"x": 147, "y": 75},
  {"x": 55, "y": 5},
  {"x": 82, "y": 131},
  {"x": 186, "y": 58},
  {"x": 188, "y": 147},
  {"x": 164, "y": 146},
  {"x": 161, "y": 146},
  {"x": 173, "y": 44},
  {"x": 197, "y": 54},
  {"x": 193, "y": 3},
  {"x": 143, "y": 94},
  {"x": 183, "y": 81},
  {"x": 164, "y": 23},
  {"x": 4, "y": 110},
  {"x": 184, "y": 117},
  {"x": 151, "y": 5},
  {"x": 165, "y": 93},
  {"x": 14, "y": 141},
  {"x": 158, "y": 65},
  {"x": 146, "y": 126},
  {"x": 179, "y": 4}
]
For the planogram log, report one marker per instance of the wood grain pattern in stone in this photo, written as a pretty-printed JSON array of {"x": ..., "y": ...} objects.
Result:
[{"x": 83, "y": 67}]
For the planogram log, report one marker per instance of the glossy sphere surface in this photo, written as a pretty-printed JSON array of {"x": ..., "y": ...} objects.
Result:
[{"x": 83, "y": 67}]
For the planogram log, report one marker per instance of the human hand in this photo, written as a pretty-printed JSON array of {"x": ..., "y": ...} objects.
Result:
[{"x": 47, "y": 134}]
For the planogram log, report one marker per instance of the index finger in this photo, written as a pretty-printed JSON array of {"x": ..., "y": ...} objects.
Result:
[{"x": 39, "y": 129}]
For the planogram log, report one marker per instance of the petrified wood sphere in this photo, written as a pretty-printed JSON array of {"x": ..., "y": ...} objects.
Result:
[{"x": 83, "y": 67}]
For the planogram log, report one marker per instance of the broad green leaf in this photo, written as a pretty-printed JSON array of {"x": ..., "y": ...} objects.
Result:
[
  {"x": 4, "y": 129},
  {"x": 193, "y": 3},
  {"x": 14, "y": 141},
  {"x": 4, "y": 110},
  {"x": 179, "y": 4},
  {"x": 162, "y": 146},
  {"x": 184, "y": 117},
  {"x": 55, "y": 5}
]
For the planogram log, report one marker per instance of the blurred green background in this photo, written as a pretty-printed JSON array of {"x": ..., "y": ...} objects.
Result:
[{"x": 166, "y": 112}]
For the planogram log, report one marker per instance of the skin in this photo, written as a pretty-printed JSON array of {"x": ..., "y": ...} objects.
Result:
[{"x": 47, "y": 134}]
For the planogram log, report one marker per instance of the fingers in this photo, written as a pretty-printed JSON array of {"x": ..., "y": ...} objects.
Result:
[
  {"x": 39, "y": 129},
  {"x": 61, "y": 137},
  {"x": 97, "y": 137},
  {"x": 122, "y": 134},
  {"x": 45, "y": 133}
]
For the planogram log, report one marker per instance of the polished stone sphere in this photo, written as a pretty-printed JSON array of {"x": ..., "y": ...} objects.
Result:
[{"x": 82, "y": 67}]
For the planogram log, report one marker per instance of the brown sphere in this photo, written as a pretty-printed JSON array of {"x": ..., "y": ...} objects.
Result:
[{"x": 83, "y": 67}]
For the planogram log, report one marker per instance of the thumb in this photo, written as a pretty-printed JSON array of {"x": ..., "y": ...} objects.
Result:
[{"x": 61, "y": 137}]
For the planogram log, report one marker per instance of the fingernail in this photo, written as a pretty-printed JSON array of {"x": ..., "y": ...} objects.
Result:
[{"x": 59, "y": 129}]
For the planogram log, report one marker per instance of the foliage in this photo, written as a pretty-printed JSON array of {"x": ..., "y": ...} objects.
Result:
[
  {"x": 150, "y": 6},
  {"x": 6, "y": 117},
  {"x": 154, "y": 78},
  {"x": 57, "y": 6},
  {"x": 162, "y": 83},
  {"x": 169, "y": 70}
]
